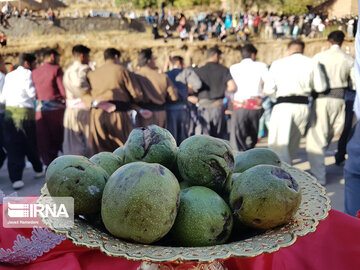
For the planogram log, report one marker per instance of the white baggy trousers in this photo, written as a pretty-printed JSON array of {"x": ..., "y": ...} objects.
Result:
[
  {"x": 287, "y": 125},
  {"x": 327, "y": 121}
]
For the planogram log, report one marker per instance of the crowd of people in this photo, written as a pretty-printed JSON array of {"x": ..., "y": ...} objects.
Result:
[
  {"x": 7, "y": 11},
  {"x": 208, "y": 25},
  {"x": 266, "y": 25},
  {"x": 83, "y": 110}
]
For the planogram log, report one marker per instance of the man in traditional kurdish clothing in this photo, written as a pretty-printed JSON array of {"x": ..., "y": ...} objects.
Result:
[
  {"x": 157, "y": 89},
  {"x": 249, "y": 76},
  {"x": 329, "y": 107},
  {"x": 50, "y": 106},
  {"x": 216, "y": 80},
  {"x": 113, "y": 91},
  {"x": 77, "y": 114},
  {"x": 291, "y": 80},
  {"x": 19, "y": 122}
]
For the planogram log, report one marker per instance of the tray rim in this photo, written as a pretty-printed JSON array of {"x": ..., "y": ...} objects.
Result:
[{"x": 180, "y": 259}]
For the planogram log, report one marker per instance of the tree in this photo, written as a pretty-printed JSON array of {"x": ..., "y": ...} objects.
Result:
[
  {"x": 248, "y": 4},
  {"x": 284, "y": 6},
  {"x": 295, "y": 6}
]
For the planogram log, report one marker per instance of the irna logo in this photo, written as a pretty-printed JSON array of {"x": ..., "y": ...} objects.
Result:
[{"x": 24, "y": 210}]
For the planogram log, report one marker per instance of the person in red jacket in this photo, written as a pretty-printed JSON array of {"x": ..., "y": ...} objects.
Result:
[
  {"x": 257, "y": 22},
  {"x": 3, "y": 39},
  {"x": 50, "y": 106}
]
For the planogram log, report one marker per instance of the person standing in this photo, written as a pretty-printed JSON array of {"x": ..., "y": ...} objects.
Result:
[
  {"x": 329, "y": 108},
  {"x": 291, "y": 80},
  {"x": 3, "y": 72},
  {"x": 268, "y": 26},
  {"x": 3, "y": 39},
  {"x": 352, "y": 164},
  {"x": 113, "y": 91},
  {"x": 77, "y": 114},
  {"x": 350, "y": 28},
  {"x": 216, "y": 80},
  {"x": 177, "y": 113},
  {"x": 350, "y": 123},
  {"x": 257, "y": 26},
  {"x": 249, "y": 76},
  {"x": 50, "y": 106},
  {"x": 19, "y": 128},
  {"x": 157, "y": 89}
]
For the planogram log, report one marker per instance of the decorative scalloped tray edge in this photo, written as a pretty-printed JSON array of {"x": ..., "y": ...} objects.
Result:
[{"x": 314, "y": 207}]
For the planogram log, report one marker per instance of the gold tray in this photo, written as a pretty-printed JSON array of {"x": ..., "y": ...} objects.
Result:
[{"x": 314, "y": 207}]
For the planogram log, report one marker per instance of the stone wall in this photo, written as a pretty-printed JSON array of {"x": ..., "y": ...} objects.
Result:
[
  {"x": 22, "y": 27},
  {"x": 193, "y": 53},
  {"x": 81, "y": 25}
]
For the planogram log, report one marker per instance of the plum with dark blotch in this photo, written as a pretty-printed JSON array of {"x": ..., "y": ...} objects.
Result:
[
  {"x": 77, "y": 177},
  {"x": 264, "y": 197},
  {"x": 205, "y": 161},
  {"x": 152, "y": 144},
  {"x": 140, "y": 202}
]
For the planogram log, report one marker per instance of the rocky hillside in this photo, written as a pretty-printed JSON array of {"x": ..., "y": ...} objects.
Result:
[
  {"x": 100, "y": 3},
  {"x": 24, "y": 27},
  {"x": 32, "y": 35},
  {"x": 130, "y": 44}
]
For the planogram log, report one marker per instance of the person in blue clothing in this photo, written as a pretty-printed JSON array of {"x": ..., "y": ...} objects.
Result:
[
  {"x": 177, "y": 113},
  {"x": 228, "y": 21},
  {"x": 352, "y": 164},
  {"x": 3, "y": 72}
]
